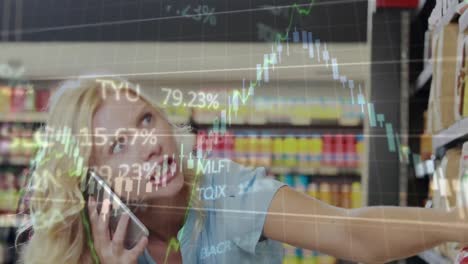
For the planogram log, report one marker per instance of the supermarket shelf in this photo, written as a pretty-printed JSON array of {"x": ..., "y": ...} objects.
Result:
[
  {"x": 431, "y": 256},
  {"x": 450, "y": 137},
  {"x": 24, "y": 117},
  {"x": 323, "y": 171},
  {"x": 178, "y": 119},
  {"x": 283, "y": 126},
  {"x": 16, "y": 161},
  {"x": 450, "y": 16}
]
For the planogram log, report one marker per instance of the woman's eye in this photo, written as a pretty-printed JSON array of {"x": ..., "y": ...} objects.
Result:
[
  {"x": 147, "y": 118},
  {"x": 118, "y": 146}
]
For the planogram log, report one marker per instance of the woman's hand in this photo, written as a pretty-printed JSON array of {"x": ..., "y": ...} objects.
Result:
[{"x": 112, "y": 250}]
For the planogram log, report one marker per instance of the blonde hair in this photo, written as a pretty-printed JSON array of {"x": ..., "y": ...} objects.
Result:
[{"x": 56, "y": 199}]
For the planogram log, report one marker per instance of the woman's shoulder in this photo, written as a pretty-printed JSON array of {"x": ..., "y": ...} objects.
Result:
[{"x": 236, "y": 199}]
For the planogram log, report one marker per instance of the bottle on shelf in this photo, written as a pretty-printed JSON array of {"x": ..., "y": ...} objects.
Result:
[
  {"x": 339, "y": 150},
  {"x": 265, "y": 149},
  {"x": 351, "y": 158},
  {"x": 315, "y": 145},
  {"x": 327, "y": 150},
  {"x": 229, "y": 145},
  {"x": 325, "y": 193},
  {"x": 345, "y": 196},
  {"x": 290, "y": 151},
  {"x": 335, "y": 194},
  {"x": 5, "y": 99},
  {"x": 240, "y": 148},
  {"x": 42, "y": 99},
  {"x": 278, "y": 152},
  {"x": 18, "y": 99},
  {"x": 356, "y": 195},
  {"x": 360, "y": 149},
  {"x": 253, "y": 149}
]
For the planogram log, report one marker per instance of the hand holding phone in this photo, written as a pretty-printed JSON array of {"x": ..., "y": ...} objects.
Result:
[
  {"x": 112, "y": 249},
  {"x": 119, "y": 236}
]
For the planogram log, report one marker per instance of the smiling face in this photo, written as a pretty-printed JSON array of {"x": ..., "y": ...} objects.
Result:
[{"x": 135, "y": 150}]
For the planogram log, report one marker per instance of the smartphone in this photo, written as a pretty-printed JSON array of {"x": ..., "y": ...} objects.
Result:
[{"x": 101, "y": 191}]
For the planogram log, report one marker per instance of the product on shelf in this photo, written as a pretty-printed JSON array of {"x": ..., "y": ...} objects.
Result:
[
  {"x": 345, "y": 196},
  {"x": 265, "y": 150},
  {"x": 23, "y": 98},
  {"x": 252, "y": 148},
  {"x": 290, "y": 255},
  {"x": 42, "y": 99},
  {"x": 350, "y": 151},
  {"x": 327, "y": 150},
  {"x": 5, "y": 99},
  {"x": 18, "y": 99},
  {"x": 16, "y": 141},
  {"x": 360, "y": 148},
  {"x": 325, "y": 193},
  {"x": 278, "y": 152},
  {"x": 11, "y": 181},
  {"x": 425, "y": 146},
  {"x": 444, "y": 194},
  {"x": 309, "y": 256},
  {"x": 356, "y": 195},
  {"x": 442, "y": 100},
  {"x": 303, "y": 151},
  {"x": 312, "y": 190},
  {"x": 290, "y": 151}
]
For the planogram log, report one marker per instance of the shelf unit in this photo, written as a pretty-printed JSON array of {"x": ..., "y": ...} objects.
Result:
[
  {"x": 322, "y": 171},
  {"x": 443, "y": 14},
  {"x": 326, "y": 125}
]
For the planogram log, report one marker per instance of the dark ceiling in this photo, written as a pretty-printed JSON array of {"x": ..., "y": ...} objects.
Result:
[{"x": 169, "y": 20}]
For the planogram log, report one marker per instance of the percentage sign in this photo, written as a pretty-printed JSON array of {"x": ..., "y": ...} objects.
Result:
[
  {"x": 149, "y": 168},
  {"x": 153, "y": 139},
  {"x": 149, "y": 137},
  {"x": 212, "y": 101},
  {"x": 208, "y": 14},
  {"x": 145, "y": 136}
]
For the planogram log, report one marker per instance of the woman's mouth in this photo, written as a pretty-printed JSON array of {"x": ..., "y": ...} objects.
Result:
[{"x": 164, "y": 172}]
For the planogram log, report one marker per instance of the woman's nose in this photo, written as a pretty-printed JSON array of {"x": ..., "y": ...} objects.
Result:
[{"x": 150, "y": 145}]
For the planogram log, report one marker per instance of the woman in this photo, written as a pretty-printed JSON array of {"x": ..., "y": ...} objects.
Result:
[{"x": 233, "y": 215}]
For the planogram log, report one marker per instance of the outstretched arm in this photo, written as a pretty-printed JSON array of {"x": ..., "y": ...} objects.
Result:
[{"x": 369, "y": 234}]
